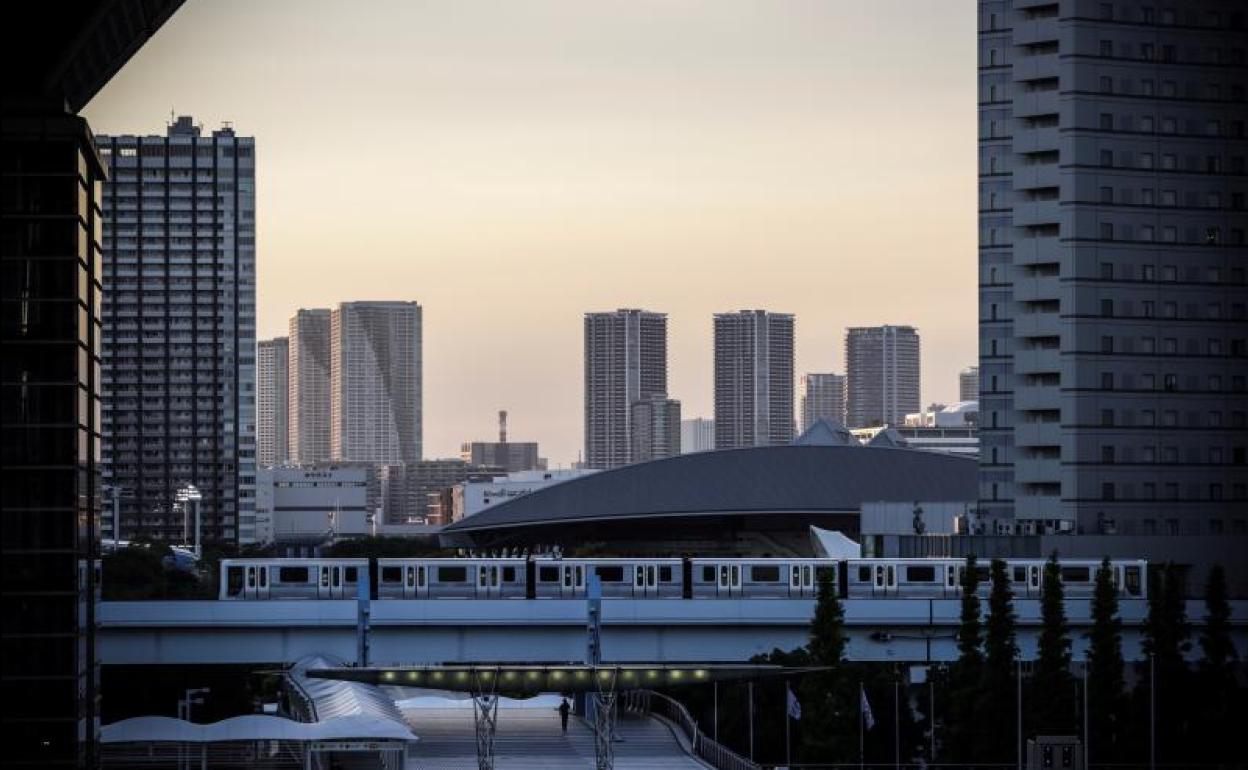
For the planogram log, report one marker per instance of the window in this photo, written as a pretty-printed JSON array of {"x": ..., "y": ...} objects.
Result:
[
  {"x": 392, "y": 574},
  {"x": 764, "y": 574},
  {"x": 921, "y": 574},
  {"x": 1107, "y": 195},
  {"x": 1107, "y": 417},
  {"x": 1107, "y": 84},
  {"x": 1107, "y": 454},
  {"x": 292, "y": 575},
  {"x": 1107, "y": 48},
  {"x": 1107, "y": 308},
  {"x": 1076, "y": 574},
  {"x": 452, "y": 574},
  {"x": 708, "y": 574},
  {"x": 1107, "y": 121},
  {"x": 1107, "y": 381},
  {"x": 1107, "y": 158},
  {"x": 1107, "y": 490},
  {"x": 1107, "y": 271},
  {"x": 610, "y": 574},
  {"x": 551, "y": 574},
  {"x": 864, "y": 574},
  {"x": 1107, "y": 344},
  {"x": 665, "y": 574}
]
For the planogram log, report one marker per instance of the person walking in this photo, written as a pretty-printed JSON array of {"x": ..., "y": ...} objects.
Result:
[{"x": 564, "y": 709}]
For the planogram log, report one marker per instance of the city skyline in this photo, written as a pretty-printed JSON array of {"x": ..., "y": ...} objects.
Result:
[{"x": 607, "y": 202}]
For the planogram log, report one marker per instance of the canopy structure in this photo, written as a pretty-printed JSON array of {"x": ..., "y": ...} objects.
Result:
[{"x": 253, "y": 727}]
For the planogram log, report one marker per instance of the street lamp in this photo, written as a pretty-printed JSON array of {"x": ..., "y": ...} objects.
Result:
[
  {"x": 193, "y": 697},
  {"x": 190, "y": 493}
]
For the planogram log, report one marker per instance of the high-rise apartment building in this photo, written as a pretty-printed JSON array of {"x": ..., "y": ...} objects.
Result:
[
  {"x": 968, "y": 384},
  {"x": 625, "y": 362},
  {"x": 753, "y": 379},
  {"x": 375, "y": 382},
  {"x": 308, "y": 387},
  {"x": 655, "y": 429},
  {"x": 272, "y": 392},
  {"x": 882, "y": 375},
  {"x": 179, "y": 331},
  {"x": 822, "y": 398},
  {"x": 697, "y": 435},
  {"x": 1113, "y": 350}
]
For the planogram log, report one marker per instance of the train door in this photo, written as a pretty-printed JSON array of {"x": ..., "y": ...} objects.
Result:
[
  {"x": 573, "y": 580},
  {"x": 729, "y": 583},
  {"x": 885, "y": 582},
  {"x": 645, "y": 580},
  {"x": 1033, "y": 580},
  {"x": 414, "y": 586},
  {"x": 487, "y": 581},
  {"x": 329, "y": 584},
  {"x": 257, "y": 582},
  {"x": 801, "y": 580}
]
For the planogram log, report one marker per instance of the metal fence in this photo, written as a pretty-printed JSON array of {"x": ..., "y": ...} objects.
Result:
[{"x": 648, "y": 702}]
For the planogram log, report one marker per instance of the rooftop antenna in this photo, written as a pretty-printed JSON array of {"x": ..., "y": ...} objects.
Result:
[{"x": 502, "y": 426}]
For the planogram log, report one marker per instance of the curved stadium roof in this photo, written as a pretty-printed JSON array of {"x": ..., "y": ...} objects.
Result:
[{"x": 780, "y": 479}]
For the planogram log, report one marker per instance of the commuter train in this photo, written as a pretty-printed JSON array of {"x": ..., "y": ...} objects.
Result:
[{"x": 547, "y": 577}]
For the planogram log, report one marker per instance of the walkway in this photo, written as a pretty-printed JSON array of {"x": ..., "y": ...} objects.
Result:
[{"x": 530, "y": 739}]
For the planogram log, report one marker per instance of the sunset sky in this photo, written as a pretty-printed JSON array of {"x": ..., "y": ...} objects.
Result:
[{"x": 511, "y": 165}]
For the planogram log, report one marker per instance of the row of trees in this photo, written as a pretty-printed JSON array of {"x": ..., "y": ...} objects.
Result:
[{"x": 973, "y": 703}]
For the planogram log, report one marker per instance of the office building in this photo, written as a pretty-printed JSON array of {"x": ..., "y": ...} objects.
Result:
[
  {"x": 313, "y": 505},
  {"x": 968, "y": 384},
  {"x": 508, "y": 455},
  {"x": 655, "y": 431},
  {"x": 882, "y": 375},
  {"x": 375, "y": 382},
  {"x": 697, "y": 435},
  {"x": 625, "y": 362},
  {"x": 308, "y": 381},
  {"x": 469, "y": 497},
  {"x": 272, "y": 392},
  {"x": 411, "y": 491},
  {"x": 753, "y": 379},
  {"x": 1111, "y": 265},
  {"x": 822, "y": 398},
  {"x": 179, "y": 340}
]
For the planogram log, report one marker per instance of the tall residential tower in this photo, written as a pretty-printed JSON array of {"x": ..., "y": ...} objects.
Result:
[
  {"x": 179, "y": 332},
  {"x": 308, "y": 387},
  {"x": 625, "y": 362},
  {"x": 822, "y": 398},
  {"x": 753, "y": 379},
  {"x": 882, "y": 370},
  {"x": 1113, "y": 337},
  {"x": 272, "y": 394}
]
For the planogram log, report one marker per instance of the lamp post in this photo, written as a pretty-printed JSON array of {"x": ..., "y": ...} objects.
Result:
[{"x": 190, "y": 494}]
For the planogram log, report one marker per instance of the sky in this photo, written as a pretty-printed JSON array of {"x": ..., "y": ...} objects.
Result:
[{"x": 513, "y": 165}]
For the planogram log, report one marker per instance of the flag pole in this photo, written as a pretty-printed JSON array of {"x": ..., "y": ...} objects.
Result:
[
  {"x": 788, "y": 749},
  {"x": 1152, "y": 711},
  {"x": 1086, "y": 742},
  {"x": 862, "y": 718},
  {"x": 931, "y": 712},
  {"x": 1019, "y": 738},
  {"x": 715, "y": 712},
  {"x": 750, "y": 686},
  {"x": 896, "y": 722}
]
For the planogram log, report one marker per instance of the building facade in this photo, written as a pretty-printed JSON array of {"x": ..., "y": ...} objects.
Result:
[
  {"x": 753, "y": 379},
  {"x": 179, "y": 339},
  {"x": 882, "y": 375},
  {"x": 968, "y": 384},
  {"x": 1112, "y": 266},
  {"x": 308, "y": 387},
  {"x": 272, "y": 392},
  {"x": 697, "y": 434},
  {"x": 375, "y": 382},
  {"x": 411, "y": 492},
  {"x": 625, "y": 362},
  {"x": 470, "y": 497},
  {"x": 655, "y": 429},
  {"x": 509, "y": 455},
  {"x": 822, "y": 398}
]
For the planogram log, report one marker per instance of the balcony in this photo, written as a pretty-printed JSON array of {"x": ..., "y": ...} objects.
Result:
[
  {"x": 1040, "y": 361},
  {"x": 1037, "y": 397},
  {"x": 1038, "y": 434},
  {"x": 1034, "y": 67},
  {"x": 1033, "y": 289},
  {"x": 1028, "y": 214},
  {"x": 1029, "y": 471},
  {"x": 1036, "y": 175},
  {"x": 1036, "y": 139},
  {"x": 1034, "y": 251},
  {"x": 1032, "y": 31},
  {"x": 1037, "y": 507},
  {"x": 1031, "y": 103}
]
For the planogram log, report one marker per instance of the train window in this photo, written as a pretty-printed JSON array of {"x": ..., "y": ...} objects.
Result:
[
  {"x": 264, "y": 577},
  {"x": 613, "y": 574},
  {"x": 391, "y": 574},
  {"x": 548, "y": 574},
  {"x": 234, "y": 581},
  {"x": 708, "y": 574},
  {"x": 452, "y": 574},
  {"x": 351, "y": 574},
  {"x": 1075, "y": 574},
  {"x": 324, "y": 577},
  {"x": 760, "y": 574},
  {"x": 922, "y": 574},
  {"x": 337, "y": 577},
  {"x": 292, "y": 574},
  {"x": 864, "y": 574},
  {"x": 665, "y": 574},
  {"x": 420, "y": 576},
  {"x": 509, "y": 574},
  {"x": 1133, "y": 581},
  {"x": 481, "y": 575},
  {"x": 1020, "y": 574}
]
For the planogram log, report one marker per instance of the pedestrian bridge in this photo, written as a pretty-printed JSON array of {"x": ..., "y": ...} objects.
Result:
[{"x": 520, "y": 631}]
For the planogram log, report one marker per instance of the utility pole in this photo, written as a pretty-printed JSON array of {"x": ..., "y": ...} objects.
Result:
[
  {"x": 1019, "y": 737},
  {"x": 1152, "y": 712}
]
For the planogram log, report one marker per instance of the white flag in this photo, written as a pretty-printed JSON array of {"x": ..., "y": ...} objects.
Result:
[
  {"x": 867, "y": 717},
  {"x": 795, "y": 708}
]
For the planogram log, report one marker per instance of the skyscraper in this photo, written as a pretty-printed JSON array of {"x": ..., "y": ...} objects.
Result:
[
  {"x": 375, "y": 382},
  {"x": 655, "y": 429},
  {"x": 968, "y": 384},
  {"x": 822, "y": 398},
  {"x": 179, "y": 333},
  {"x": 308, "y": 374},
  {"x": 625, "y": 362},
  {"x": 1111, "y": 265},
  {"x": 697, "y": 435},
  {"x": 753, "y": 379},
  {"x": 272, "y": 394},
  {"x": 882, "y": 375}
]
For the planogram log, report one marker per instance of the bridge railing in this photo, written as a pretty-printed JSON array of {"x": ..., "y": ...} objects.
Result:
[{"x": 648, "y": 702}]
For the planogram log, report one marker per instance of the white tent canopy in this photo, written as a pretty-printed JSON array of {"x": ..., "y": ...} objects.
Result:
[
  {"x": 830, "y": 544},
  {"x": 253, "y": 727}
]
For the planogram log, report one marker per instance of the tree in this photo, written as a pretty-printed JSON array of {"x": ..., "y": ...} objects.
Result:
[
  {"x": 1107, "y": 703},
  {"x": 827, "y": 734},
  {"x": 1219, "y": 703},
  {"x": 827, "y": 630},
  {"x": 997, "y": 732},
  {"x": 960, "y": 683},
  {"x": 1165, "y": 643},
  {"x": 1053, "y": 694}
]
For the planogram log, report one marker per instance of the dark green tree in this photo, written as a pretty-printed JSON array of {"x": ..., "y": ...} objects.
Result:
[
  {"x": 1054, "y": 701},
  {"x": 956, "y": 697},
  {"x": 1166, "y": 642},
  {"x": 1107, "y": 701},
  {"x": 1219, "y": 699},
  {"x": 827, "y": 734},
  {"x": 996, "y": 722}
]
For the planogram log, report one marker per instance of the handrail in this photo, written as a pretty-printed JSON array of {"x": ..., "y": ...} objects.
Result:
[{"x": 647, "y": 702}]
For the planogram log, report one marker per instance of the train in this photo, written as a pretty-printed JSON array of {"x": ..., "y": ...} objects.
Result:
[{"x": 552, "y": 577}]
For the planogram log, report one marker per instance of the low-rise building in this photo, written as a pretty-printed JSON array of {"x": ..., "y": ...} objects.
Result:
[
  {"x": 473, "y": 497},
  {"x": 311, "y": 505}
]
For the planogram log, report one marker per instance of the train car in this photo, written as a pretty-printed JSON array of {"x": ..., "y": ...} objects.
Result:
[
  {"x": 902, "y": 578},
  {"x": 621, "y": 578},
  {"x": 252, "y": 579},
  {"x": 761, "y": 578},
  {"x": 452, "y": 578},
  {"x": 1078, "y": 577}
]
